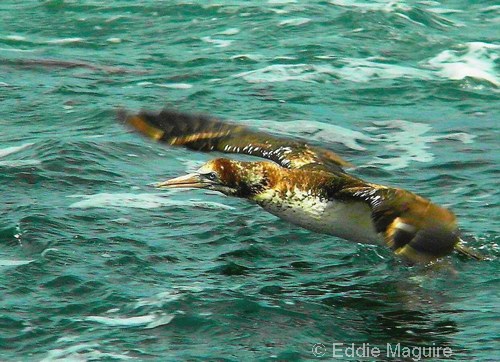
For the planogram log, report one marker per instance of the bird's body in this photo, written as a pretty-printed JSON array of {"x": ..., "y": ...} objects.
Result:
[
  {"x": 308, "y": 198},
  {"x": 306, "y": 186},
  {"x": 348, "y": 220}
]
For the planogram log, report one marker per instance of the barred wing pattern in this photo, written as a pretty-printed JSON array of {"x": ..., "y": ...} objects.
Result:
[{"x": 203, "y": 133}]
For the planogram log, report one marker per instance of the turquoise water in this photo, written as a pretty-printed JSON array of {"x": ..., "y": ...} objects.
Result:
[{"x": 97, "y": 265}]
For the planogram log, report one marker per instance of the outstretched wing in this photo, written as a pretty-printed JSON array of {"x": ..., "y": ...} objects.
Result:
[{"x": 203, "y": 133}]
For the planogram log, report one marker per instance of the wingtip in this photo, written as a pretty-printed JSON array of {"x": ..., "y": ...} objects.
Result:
[
  {"x": 139, "y": 122},
  {"x": 122, "y": 115}
]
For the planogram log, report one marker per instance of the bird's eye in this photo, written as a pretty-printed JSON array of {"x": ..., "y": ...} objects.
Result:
[{"x": 212, "y": 176}]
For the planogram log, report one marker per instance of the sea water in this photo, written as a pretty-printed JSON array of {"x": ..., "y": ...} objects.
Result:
[{"x": 97, "y": 265}]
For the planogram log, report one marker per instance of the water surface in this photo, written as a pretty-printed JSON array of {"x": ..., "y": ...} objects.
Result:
[{"x": 96, "y": 265}]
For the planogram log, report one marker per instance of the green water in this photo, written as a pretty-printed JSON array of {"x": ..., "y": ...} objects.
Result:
[{"x": 96, "y": 265}]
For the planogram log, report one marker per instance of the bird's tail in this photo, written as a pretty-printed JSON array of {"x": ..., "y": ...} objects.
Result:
[{"x": 469, "y": 252}]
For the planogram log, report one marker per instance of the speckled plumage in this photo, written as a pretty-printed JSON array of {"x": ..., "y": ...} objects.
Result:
[{"x": 305, "y": 185}]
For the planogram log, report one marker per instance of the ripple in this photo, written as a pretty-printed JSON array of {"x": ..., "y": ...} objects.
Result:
[
  {"x": 63, "y": 281},
  {"x": 231, "y": 269},
  {"x": 285, "y": 73},
  {"x": 10, "y": 150},
  {"x": 294, "y": 22},
  {"x": 217, "y": 42},
  {"x": 373, "y": 6},
  {"x": 20, "y": 163},
  {"x": 176, "y": 85},
  {"x": 250, "y": 253}
]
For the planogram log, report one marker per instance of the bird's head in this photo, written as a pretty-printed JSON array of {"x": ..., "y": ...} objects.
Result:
[{"x": 230, "y": 177}]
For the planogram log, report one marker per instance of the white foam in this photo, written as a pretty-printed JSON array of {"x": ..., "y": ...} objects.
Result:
[
  {"x": 284, "y": 57},
  {"x": 114, "y": 40},
  {"x": 477, "y": 60},
  {"x": 492, "y": 8},
  {"x": 176, "y": 85},
  {"x": 355, "y": 70},
  {"x": 474, "y": 60},
  {"x": 121, "y": 220},
  {"x": 281, "y": 2},
  {"x": 160, "y": 321},
  {"x": 317, "y": 131},
  {"x": 17, "y": 50},
  {"x": 116, "y": 17},
  {"x": 408, "y": 142},
  {"x": 65, "y": 339},
  {"x": 444, "y": 11},
  {"x": 15, "y": 37},
  {"x": 374, "y": 5},
  {"x": 285, "y": 73},
  {"x": 9, "y": 150},
  {"x": 365, "y": 70},
  {"x": 208, "y": 204},
  {"x": 148, "y": 321},
  {"x": 137, "y": 201},
  {"x": 20, "y": 163},
  {"x": 406, "y": 145},
  {"x": 65, "y": 41},
  {"x": 294, "y": 22},
  {"x": 279, "y": 11},
  {"x": 82, "y": 352},
  {"x": 459, "y": 136},
  {"x": 48, "y": 250},
  {"x": 159, "y": 300},
  {"x": 254, "y": 57},
  {"x": 217, "y": 42},
  {"x": 230, "y": 31},
  {"x": 9, "y": 262}
]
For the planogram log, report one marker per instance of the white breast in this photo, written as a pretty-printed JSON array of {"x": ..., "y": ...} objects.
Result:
[{"x": 348, "y": 220}]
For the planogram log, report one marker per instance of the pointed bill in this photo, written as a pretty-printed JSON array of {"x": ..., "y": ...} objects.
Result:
[{"x": 192, "y": 180}]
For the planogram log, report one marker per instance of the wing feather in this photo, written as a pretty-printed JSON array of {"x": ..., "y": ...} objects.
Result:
[{"x": 205, "y": 133}]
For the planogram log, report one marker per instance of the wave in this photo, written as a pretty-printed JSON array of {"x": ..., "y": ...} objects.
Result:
[
  {"x": 147, "y": 321},
  {"x": 137, "y": 201},
  {"x": 471, "y": 60},
  {"x": 318, "y": 131},
  {"x": 406, "y": 141},
  {"x": 9, "y": 150},
  {"x": 82, "y": 352}
]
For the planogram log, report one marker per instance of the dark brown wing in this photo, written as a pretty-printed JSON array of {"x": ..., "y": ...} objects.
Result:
[{"x": 203, "y": 133}]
